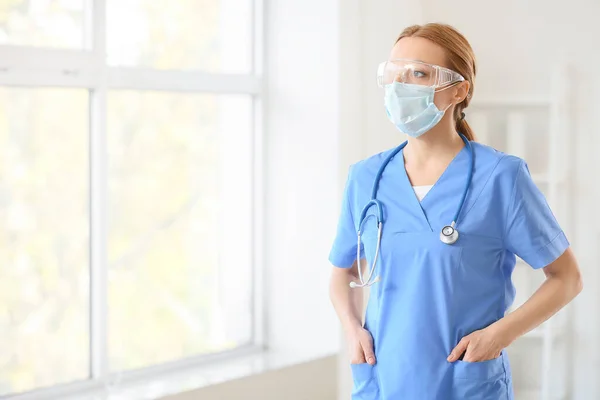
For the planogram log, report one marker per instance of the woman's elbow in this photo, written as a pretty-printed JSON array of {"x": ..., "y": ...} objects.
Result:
[
  {"x": 577, "y": 283},
  {"x": 574, "y": 280},
  {"x": 566, "y": 269}
]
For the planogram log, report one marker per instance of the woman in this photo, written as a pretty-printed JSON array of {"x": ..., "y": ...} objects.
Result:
[{"x": 435, "y": 326}]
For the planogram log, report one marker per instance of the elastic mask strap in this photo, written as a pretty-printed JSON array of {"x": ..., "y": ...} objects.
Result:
[{"x": 447, "y": 87}]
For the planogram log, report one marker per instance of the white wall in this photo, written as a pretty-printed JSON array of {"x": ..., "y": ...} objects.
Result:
[
  {"x": 517, "y": 44},
  {"x": 302, "y": 169}
]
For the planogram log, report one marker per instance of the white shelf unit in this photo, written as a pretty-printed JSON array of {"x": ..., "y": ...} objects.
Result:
[{"x": 536, "y": 130}]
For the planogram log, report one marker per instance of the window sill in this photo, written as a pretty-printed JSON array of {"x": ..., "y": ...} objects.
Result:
[
  {"x": 257, "y": 361},
  {"x": 158, "y": 384}
]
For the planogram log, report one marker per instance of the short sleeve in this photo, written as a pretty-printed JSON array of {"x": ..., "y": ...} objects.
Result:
[
  {"x": 343, "y": 251},
  {"x": 532, "y": 232}
]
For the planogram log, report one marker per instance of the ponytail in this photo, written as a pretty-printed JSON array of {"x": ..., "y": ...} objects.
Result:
[
  {"x": 463, "y": 127},
  {"x": 461, "y": 123}
]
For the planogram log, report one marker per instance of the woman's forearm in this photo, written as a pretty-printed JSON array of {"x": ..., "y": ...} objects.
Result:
[
  {"x": 347, "y": 302},
  {"x": 552, "y": 295},
  {"x": 563, "y": 283}
]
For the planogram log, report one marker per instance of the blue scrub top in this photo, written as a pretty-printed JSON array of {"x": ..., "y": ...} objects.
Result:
[{"x": 432, "y": 294}]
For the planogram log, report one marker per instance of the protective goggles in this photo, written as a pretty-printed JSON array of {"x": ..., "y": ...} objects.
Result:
[{"x": 416, "y": 73}]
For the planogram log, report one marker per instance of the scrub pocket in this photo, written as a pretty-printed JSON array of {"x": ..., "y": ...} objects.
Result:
[
  {"x": 484, "y": 380},
  {"x": 365, "y": 384}
]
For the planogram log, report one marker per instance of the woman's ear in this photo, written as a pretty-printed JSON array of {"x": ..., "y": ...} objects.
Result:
[{"x": 462, "y": 91}]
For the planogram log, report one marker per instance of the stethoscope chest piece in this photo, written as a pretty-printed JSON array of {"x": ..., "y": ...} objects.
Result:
[{"x": 449, "y": 235}]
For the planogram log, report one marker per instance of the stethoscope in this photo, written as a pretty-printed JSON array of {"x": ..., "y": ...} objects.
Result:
[{"x": 448, "y": 235}]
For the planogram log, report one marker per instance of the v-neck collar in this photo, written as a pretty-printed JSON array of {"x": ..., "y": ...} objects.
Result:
[{"x": 419, "y": 206}]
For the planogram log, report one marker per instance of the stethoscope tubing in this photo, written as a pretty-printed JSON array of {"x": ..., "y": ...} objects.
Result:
[{"x": 447, "y": 239}]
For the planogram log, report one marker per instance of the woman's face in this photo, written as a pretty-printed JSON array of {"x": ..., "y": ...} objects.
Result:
[{"x": 419, "y": 49}]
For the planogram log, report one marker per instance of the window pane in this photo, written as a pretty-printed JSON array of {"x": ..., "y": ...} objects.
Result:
[
  {"x": 180, "y": 225},
  {"x": 209, "y": 35},
  {"x": 42, "y": 23},
  {"x": 44, "y": 250}
]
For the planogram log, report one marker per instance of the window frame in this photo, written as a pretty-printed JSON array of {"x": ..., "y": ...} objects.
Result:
[{"x": 22, "y": 66}]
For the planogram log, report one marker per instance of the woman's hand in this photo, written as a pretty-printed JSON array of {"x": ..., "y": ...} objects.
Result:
[
  {"x": 361, "y": 346},
  {"x": 482, "y": 345}
]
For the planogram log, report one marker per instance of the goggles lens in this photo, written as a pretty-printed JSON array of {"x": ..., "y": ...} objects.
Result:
[{"x": 415, "y": 73}]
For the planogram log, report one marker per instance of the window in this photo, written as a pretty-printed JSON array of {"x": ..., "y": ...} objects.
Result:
[
  {"x": 209, "y": 35},
  {"x": 128, "y": 187},
  {"x": 170, "y": 174},
  {"x": 44, "y": 240},
  {"x": 50, "y": 23}
]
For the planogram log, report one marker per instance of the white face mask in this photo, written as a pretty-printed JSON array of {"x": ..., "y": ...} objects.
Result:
[{"x": 411, "y": 108}]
